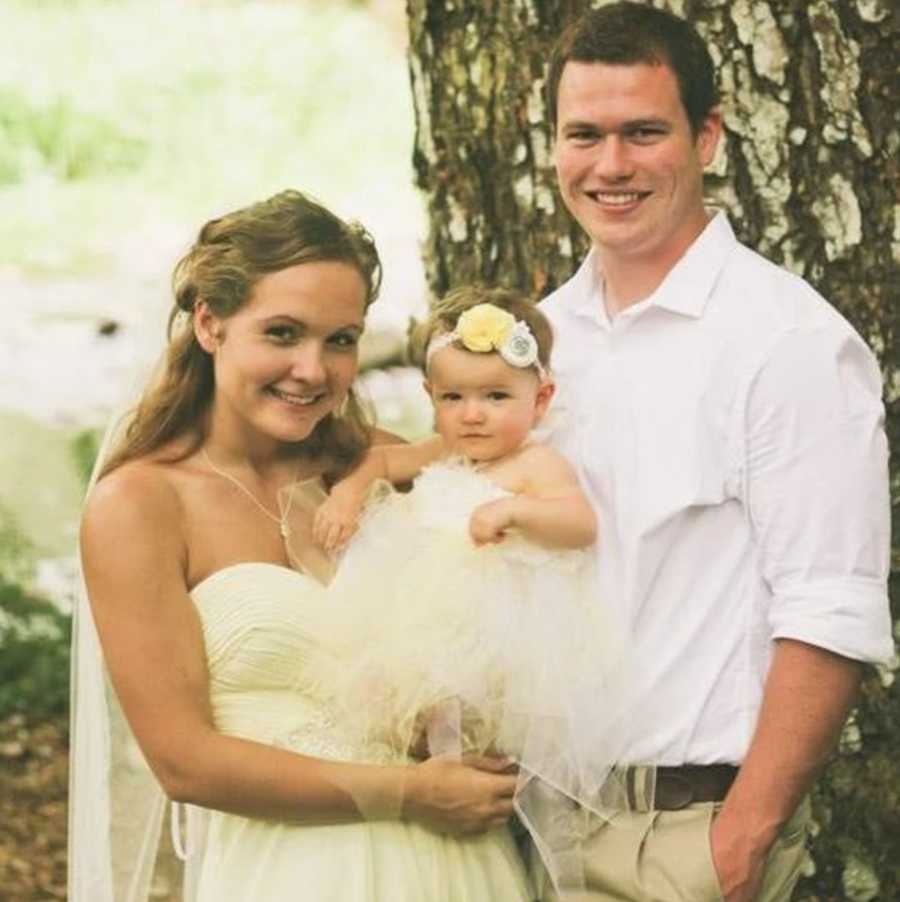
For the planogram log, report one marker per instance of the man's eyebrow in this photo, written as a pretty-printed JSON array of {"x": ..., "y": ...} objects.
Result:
[
  {"x": 649, "y": 122},
  {"x": 580, "y": 123},
  {"x": 628, "y": 125}
]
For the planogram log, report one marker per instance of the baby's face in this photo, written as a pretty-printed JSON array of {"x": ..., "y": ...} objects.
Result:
[{"x": 483, "y": 407}]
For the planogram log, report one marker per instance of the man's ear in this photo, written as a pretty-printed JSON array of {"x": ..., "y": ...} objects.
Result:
[
  {"x": 542, "y": 399},
  {"x": 207, "y": 327},
  {"x": 709, "y": 135}
]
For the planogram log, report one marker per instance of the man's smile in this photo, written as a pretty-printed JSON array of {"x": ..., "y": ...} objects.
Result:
[{"x": 617, "y": 199}]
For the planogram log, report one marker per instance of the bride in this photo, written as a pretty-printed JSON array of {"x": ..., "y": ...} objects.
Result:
[{"x": 201, "y": 593}]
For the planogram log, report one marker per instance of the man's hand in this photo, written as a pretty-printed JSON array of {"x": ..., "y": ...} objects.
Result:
[
  {"x": 490, "y": 521},
  {"x": 739, "y": 861},
  {"x": 336, "y": 520},
  {"x": 807, "y": 695},
  {"x": 461, "y": 797}
]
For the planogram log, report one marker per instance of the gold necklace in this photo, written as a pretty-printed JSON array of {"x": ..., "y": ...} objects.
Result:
[{"x": 284, "y": 527}]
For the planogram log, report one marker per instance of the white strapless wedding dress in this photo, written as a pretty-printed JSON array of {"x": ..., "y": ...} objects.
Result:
[{"x": 261, "y": 645}]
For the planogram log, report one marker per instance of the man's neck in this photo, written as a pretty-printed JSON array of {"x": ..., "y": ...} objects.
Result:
[
  {"x": 627, "y": 285},
  {"x": 629, "y": 279}
]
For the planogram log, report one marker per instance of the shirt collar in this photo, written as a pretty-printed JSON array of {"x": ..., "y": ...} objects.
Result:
[
  {"x": 583, "y": 292},
  {"x": 689, "y": 284},
  {"x": 685, "y": 290}
]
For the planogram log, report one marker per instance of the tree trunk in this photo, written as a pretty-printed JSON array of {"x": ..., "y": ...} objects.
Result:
[{"x": 808, "y": 172}]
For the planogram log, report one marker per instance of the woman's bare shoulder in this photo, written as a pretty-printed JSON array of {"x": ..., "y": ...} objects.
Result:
[{"x": 138, "y": 497}]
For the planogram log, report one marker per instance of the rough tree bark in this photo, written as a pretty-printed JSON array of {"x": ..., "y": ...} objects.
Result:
[{"x": 809, "y": 173}]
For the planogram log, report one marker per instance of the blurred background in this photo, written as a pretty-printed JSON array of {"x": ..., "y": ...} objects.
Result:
[{"x": 124, "y": 126}]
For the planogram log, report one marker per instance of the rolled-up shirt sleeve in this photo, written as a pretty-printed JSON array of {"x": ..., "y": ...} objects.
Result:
[{"x": 816, "y": 489}]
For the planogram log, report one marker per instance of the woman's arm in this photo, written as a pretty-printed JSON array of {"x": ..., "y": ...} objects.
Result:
[
  {"x": 153, "y": 645},
  {"x": 551, "y": 509},
  {"x": 337, "y": 518}
]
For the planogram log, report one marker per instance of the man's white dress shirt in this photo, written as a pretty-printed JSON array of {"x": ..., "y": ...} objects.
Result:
[{"x": 729, "y": 432}]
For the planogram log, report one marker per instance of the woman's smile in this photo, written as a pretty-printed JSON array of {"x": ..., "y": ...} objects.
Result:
[{"x": 297, "y": 399}]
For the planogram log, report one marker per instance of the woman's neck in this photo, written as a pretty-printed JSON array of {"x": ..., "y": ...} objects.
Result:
[{"x": 232, "y": 446}]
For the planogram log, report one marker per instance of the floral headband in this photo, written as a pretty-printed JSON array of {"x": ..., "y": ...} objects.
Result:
[{"x": 487, "y": 327}]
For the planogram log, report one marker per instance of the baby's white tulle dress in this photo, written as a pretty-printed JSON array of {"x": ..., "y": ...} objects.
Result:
[{"x": 500, "y": 648}]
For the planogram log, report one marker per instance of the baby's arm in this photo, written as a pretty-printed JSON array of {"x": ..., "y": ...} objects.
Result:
[
  {"x": 550, "y": 509},
  {"x": 336, "y": 519}
]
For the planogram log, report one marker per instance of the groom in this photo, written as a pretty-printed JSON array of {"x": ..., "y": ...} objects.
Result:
[{"x": 728, "y": 427}]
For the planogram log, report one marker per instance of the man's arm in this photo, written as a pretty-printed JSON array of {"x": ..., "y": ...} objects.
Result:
[
  {"x": 815, "y": 464},
  {"x": 808, "y": 695}
]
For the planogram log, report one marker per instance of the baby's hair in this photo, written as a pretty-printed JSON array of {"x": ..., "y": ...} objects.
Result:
[{"x": 446, "y": 312}]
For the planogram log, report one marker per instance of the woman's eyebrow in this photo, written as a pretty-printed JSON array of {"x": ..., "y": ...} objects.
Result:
[{"x": 354, "y": 326}]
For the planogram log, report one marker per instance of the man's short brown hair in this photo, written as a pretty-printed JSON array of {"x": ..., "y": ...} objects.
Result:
[{"x": 627, "y": 33}]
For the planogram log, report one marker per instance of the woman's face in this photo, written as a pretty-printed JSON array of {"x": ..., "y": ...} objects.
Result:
[{"x": 286, "y": 358}]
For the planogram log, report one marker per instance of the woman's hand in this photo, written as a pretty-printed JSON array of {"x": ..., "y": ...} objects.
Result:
[{"x": 461, "y": 797}]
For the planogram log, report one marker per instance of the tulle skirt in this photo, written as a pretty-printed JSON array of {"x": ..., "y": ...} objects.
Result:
[{"x": 502, "y": 648}]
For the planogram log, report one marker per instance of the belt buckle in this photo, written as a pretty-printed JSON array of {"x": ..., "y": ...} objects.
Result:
[{"x": 677, "y": 791}]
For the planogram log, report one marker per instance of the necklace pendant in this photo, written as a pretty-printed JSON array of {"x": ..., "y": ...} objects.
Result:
[{"x": 284, "y": 529}]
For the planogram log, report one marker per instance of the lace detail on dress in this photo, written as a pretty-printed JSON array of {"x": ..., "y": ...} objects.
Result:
[{"x": 321, "y": 737}]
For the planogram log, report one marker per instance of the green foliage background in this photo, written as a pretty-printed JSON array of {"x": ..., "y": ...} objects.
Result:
[
  {"x": 117, "y": 111},
  {"x": 34, "y": 635}
]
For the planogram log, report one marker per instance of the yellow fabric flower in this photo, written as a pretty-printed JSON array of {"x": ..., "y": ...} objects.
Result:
[{"x": 484, "y": 327}]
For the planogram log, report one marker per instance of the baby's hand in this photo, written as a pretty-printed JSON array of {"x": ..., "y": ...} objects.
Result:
[
  {"x": 335, "y": 521},
  {"x": 490, "y": 521}
]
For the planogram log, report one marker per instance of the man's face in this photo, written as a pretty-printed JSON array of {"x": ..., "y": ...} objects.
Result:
[{"x": 630, "y": 169}]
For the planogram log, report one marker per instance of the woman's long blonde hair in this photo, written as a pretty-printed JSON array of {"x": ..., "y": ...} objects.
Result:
[{"x": 231, "y": 254}]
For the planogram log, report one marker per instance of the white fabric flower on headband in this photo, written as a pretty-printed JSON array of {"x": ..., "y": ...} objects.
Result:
[
  {"x": 487, "y": 327},
  {"x": 520, "y": 346}
]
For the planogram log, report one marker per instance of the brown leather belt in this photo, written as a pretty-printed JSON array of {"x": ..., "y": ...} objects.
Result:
[{"x": 678, "y": 787}]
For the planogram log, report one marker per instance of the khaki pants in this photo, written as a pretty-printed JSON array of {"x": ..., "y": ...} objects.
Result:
[{"x": 664, "y": 856}]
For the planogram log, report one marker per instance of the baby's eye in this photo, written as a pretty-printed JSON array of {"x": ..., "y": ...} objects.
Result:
[
  {"x": 344, "y": 340},
  {"x": 449, "y": 396},
  {"x": 498, "y": 395}
]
